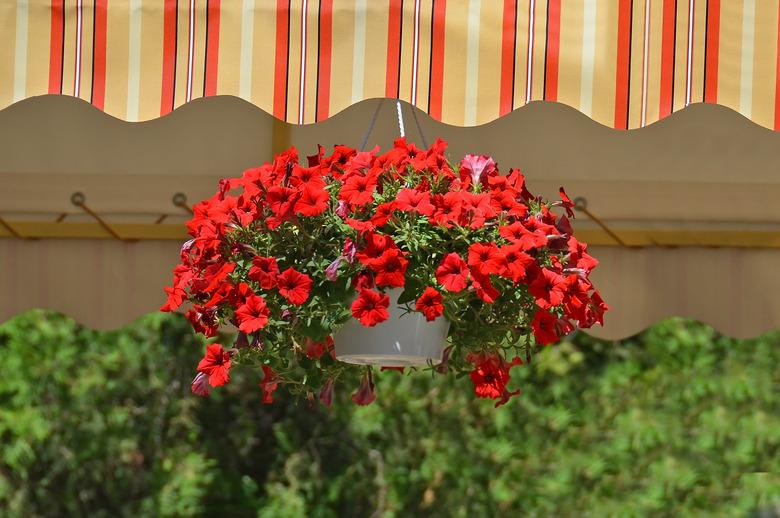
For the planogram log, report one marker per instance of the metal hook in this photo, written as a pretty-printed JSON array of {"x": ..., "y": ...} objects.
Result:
[
  {"x": 79, "y": 200},
  {"x": 180, "y": 200}
]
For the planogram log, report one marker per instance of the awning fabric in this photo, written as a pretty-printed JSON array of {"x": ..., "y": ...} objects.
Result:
[{"x": 624, "y": 63}]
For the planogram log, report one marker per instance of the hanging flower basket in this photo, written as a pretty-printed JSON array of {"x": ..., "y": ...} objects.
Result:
[{"x": 395, "y": 259}]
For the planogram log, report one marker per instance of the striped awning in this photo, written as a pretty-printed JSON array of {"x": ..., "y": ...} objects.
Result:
[{"x": 624, "y": 63}]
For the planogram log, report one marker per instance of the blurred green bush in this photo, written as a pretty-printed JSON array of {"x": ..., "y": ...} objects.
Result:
[{"x": 678, "y": 421}]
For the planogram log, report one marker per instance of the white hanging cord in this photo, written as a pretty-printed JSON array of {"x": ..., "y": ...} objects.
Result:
[{"x": 400, "y": 118}]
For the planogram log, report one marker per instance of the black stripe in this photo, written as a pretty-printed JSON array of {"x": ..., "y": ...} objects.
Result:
[
  {"x": 514, "y": 57},
  {"x": 175, "y": 53},
  {"x": 630, "y": 44},
  {"x": 546, "y": 38},
  {"x": 287, "y": 63},
  {"x": 430, "y": 62},
  {"x": 206, "y": 51},
  {"x": 92, "y": 79},
  {"x": 706, "y": 40},
  {"x": 400, "y": 40},
  {"x": 674, "y": 56},
  {"x": 319, "y": 41},
  {"x": 62, "y": 50}
]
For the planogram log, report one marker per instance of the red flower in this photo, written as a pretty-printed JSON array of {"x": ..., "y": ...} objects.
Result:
[
  {"x": 370, "y": 307},
  {"x": 548, "y": 287},
  {"x": 200, "y": 385},
  {"x": 518, "y": 234},
  {"x": 216, "y": 365},
  {"x": 269, "y": 384},
  {"x": 294, "y": 286},
  {"x": 487, "y": 259},
  {"x": 376, "y": 245},
  {"x": 281, "y": 200},
  {"x": 390, "y": 268},
  {"x": 313, "y": 201},
  {"x": 483, "y": 287},
  {"x": 358, "y": 190},
  {"x": 411, "y": 200},
  {"x": 365, "y": 393},
  {"x": 315, "y": 350},
  {"x": 326, "y": 394},
  {"x": 474, "y": 168},
  {"x": 253, "y": 315},
  {"x": 566, "y": 202},
  {"x": 517, "y": 262},
  {"x": 544, "y": 327},
  {"x": 491, "y": 375},
  {"x": 453, "y": 273},
  {"x": 430, "y": 304},
  {"x": 383, "y": 213},
  {"x": 264, "y": 271},
  {"x": 306, "y": 176}
]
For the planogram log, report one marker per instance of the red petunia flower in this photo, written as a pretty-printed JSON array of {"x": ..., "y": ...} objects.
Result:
[
  {"x": 376, "y": 245},
  {"x": 383, "y": 213},
  {"x": 282, "y": 200},
  {"x": 216, "y": 365},
  {"x": 200, "y": 385},
  {"x": 491, "y": 375},
  {"x": 294, "y": 286},
  {"x": 453, "y": 273},
  {"x": 518, "y": 234},
  {"x": 476, "y": 168},
  {"x": 487, "y": 259},
  {"x": 253, "y": 315},
  {"x": 370, "y": 307},
  {"x": 483, "y": 287},
  {"x": 306, "y": 176},
  {"x": 264, "y": 271},
  {"x": 411, "y": 200},
  {"x": 269, "y": 384},
  {"x": 430, "y": 304},
  {"x": 315, "y": 350},
  {"x": 548, "y": 287},
  {"x": 390, "y": 268},
  {"x": 358, "y": 190},
  {"x": 544, "y": 327},
  {"x": 566, "y": 202},
  {"x": 313, "y": 201},
  {"x": 326, "y": 394},
  {"x": 365, "y": 394},
  {"x": 517, "y": 262}
]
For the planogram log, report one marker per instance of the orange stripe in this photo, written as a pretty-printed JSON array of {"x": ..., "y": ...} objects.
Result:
[
  {"x": 323, "y": 67},
  {"x": 711, "y": 52},
  {"x": 667, "y": 58},
  {"x": 56, "y": 46},
  {"x": 281, "y": 59},
  {"x": 212, "y": 48},
  {"x": 777, "y": 78},
  {"x": 623, "y": 64},
  {"x": 169, "y": 56},
  {"x": 553, "y": 47},
  {"x": 99, "y": 54},
  {"x": 393, "y": 49},
  {"x": 436, "y": 86},
  {"x": 509, "y": 28}
]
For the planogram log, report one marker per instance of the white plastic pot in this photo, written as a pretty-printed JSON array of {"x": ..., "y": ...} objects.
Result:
[{"x": 403, "y": 340}]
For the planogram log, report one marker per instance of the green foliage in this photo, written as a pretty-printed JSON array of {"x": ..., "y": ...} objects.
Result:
[{"x": 678, "y": 421}]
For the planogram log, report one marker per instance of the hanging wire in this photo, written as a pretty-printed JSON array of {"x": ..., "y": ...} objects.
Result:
[
  {"x": 371, "y": 125},
  {"x": 11, "y": 230},
  {"x": 419, "y": 128},
  {"x": 400, "y": 118},
  {"x": 581, "y": 204},
  {"x": 79, "y": 200}
]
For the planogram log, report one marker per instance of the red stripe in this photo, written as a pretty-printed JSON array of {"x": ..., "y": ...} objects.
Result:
[
  {"x": 212, "y": 55},
  {"x": 393, "y": 48},
  {"x": 169, "y": 57},
  {"x": 553, "y": 46},
  {"x": 280, "y": 60},
  {"x": 326, "y": 41},
  {"x": 667, "y": 59},
  {"x": 507, "y": 57},
  {"x": 713, "y": 42},
  {"x": 55, "y": 47},
  {"x": 437, "y": 59},
  {"x": 99, "y": 55},
  {"x": 777, "y": 79},
  {"x": 623, "y": 68}
]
